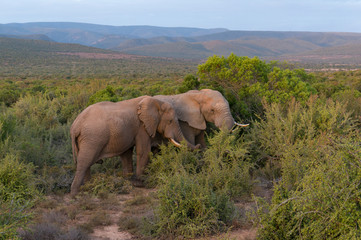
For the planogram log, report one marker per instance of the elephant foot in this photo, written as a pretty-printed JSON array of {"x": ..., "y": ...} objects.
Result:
[
  {"x": 136, "y": 182},
  {"x": 73, "y": 194}
]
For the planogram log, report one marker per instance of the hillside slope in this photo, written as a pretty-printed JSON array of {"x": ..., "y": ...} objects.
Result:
[
  {"x": 196, "y": 43},
  {"x": 27, "y": 58},
  {"x": 97, "y": 35}
]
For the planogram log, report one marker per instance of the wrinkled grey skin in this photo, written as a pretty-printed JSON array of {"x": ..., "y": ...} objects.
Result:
[
  {"x": 108, "y": 129},
  {"x": 194, "y": 108}
]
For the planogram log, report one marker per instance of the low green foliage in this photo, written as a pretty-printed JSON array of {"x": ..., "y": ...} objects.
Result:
[
  {"x": 9, "y": 94},
  {"x": 107, "y": 94},
  {"x": 324, "y": 204},
  {"x": 13, "y": 215},
  {"x": 307, "y": 145},
  {"x": 317, "y": 189},
  {"x": 169, "y": 162},
  {"x": 190, "y": 82},
  {"x": 296, "y": 128},
  {"x": 17, "y": 180},
  {"x": 246, "y": 81},
  {"x": 56, "y": 178},
  {"x": 187, "y": 208},
  {"x": 196, "y": 189},
  {"x": 17, "y": 195},
  {"x": 226, "y": 167},
  {"x": 102, "y": 183}
]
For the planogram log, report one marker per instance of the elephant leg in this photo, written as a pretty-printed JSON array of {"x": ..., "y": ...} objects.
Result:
[
  {"x": 87, "y": 176},
  {"x": 127, "y": 162},
  {"x": 188, "y": 132},
  {"x": 84, "y": 161},
  {"x": 200, "y": 139},
  {"x": 143, "y": 148}
]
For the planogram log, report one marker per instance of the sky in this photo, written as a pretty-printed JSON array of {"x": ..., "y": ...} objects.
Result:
[{"x": 268, "y": 15}]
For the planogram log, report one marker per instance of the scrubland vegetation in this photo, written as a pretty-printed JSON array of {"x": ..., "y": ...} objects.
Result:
[{"x": 302, "y": 146}]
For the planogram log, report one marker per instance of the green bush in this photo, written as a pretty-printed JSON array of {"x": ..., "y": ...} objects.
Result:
[
  {"x": 17, "y": 180},
  {"x": 18, "y": 193},
  {"x": 9, "y": 95},
  {"x": 170, "y": 161},
  {"x": 37, "y": 133},
  {"x": 292, "y": 131},
  {"x": 226, "y": 167},
  {"x": 102, "y": 183},
  {"x": 316, "y": 148},
  {"x": 196, "y": 190},
  {"x": 7, "y": 124},
  {"x": 188, "y": 208},
  {"x": 190, "y": 82},
  {"x": 107, "y": 94},
  {"x": 14, "y": 214},
  {"x": 246, "y": 81},
  {"x": 325, "y": 202},
  {"x": 56, "y": 178}
]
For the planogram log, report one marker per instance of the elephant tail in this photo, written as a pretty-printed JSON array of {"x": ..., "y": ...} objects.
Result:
[{"x": 74, "y": 144}]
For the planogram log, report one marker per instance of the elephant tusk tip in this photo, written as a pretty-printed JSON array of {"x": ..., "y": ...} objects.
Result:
[
  {"x": 241, "y": 125},
  {"x": 177, "y": 144}
]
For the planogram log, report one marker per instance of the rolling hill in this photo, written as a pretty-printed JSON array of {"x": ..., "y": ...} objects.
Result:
[
  {"x": 245, "y": 43},
  {"x": 97, "y": 35},
  {"x": 28, "y": 58},
  {"x": 197, "y": 43}
]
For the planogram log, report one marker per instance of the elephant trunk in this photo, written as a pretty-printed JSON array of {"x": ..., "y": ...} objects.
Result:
[
  {"x": 179, "y": 137},
  {"x": 226, "y": 122}
]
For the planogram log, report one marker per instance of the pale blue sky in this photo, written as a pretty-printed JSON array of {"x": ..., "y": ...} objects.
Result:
[{"x": 278, "y": 15}]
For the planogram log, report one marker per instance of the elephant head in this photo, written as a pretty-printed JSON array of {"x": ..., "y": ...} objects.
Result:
[
  {"x": 159, "y": 116},
  {"x": 198, "y": 107}
]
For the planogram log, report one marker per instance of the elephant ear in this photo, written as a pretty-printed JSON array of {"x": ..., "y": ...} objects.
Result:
[
  {"x": 189, "y": 110},
  {"x": 148, "y": 112}
]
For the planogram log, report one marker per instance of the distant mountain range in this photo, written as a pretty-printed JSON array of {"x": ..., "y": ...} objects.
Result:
[{"x": 194, "y": 43}]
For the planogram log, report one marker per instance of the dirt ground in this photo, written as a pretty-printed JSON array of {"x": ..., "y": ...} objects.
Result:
[{"x": 116, "y": 217}]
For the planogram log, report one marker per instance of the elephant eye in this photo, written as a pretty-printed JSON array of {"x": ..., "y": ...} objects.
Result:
[
  {"x": 170, "y": 121},
  {"x": 212, "y": 110}
]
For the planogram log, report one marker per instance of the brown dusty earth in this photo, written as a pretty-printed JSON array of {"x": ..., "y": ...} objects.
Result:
[{"x": 115, "y": 217}]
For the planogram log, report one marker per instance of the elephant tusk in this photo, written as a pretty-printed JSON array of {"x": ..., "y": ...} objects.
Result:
[
  {"x": 177, "y": 144},
  {"x": 241, "y": 125},
  {"x": 236, "y": 125}
]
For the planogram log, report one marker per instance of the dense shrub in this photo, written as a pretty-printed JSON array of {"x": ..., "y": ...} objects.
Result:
[
  {"x": 102, "y": 183},
  {"x": 9, "y": 94},
  {"x": 107, "y": 94},
  {"x": 188, "y": 208},
  {"x": 316, "y": 148},
  {"x": 18, "y": 193},
  {"x": 13, "y": 215},
  {"x": 17, "y": 180},
  {"x": 324, "y": 204},
  {"x": 226, "y": 167},
  {"x": 190, "y": 82},
  {"x": 169, "y": 162},
  {"x": 7, "y": 124},
  {"x": 56, "y": 178},
  {"x": 293, "y": 130},
  {"x": 246, "y": 81},
  {"x": 196, "y": 190}
]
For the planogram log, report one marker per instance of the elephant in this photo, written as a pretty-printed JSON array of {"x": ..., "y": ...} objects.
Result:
[
  {"x": 108, "y": 129},
  {"x": 196, "y": 107}
]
